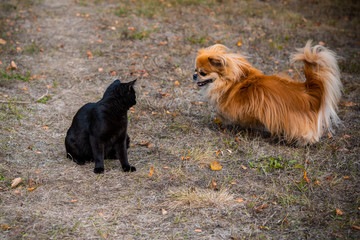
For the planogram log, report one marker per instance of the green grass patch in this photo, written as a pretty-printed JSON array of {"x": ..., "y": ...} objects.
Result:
[
  {"x": 32, "y": 48},
  {"x": 44, "y": 99},
  {"x": 10, "y": 111},
  {"x": 201, "y": 40},
  {"x": 6, "y": 76}
]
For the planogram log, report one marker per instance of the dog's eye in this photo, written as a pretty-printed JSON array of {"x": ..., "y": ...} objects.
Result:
[{"x": 202, "y": 73}]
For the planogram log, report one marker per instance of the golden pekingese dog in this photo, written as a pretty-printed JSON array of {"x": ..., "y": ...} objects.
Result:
[{"x": 298, "y": 111}]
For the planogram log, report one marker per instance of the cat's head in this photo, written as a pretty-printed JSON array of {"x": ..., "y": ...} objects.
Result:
[{"x": 122, "y": 91}]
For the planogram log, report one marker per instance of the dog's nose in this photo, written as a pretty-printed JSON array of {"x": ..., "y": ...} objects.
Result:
[{"x": 195, "y": 76}]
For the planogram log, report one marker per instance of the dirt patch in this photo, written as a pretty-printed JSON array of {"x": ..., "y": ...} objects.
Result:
[{"x": 68, "y": 52}]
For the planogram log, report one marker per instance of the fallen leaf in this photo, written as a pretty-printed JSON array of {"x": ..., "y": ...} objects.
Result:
[
  {"x": 37, "y": 171},
  {"x": 49, "y": 86},
  {"x": 100, "y": 69},
  {"x": 45, "y": 127},
  {"x": 144, "y": 143},
  {"x": 243, "y": 167},
  {"x": 151, "y": 171},
  {"x": 217, "y": 153},
  {"x": 198, "y": 230},
  {"x": 90, "y": 56},
  {"x": 101, "y": 213},
  {"x": 355, "y": 227},
  {"x": 25, "y": 89},
  {"x": 74, "y": 200},
  {"x": 339, "y": 212},
  {"x": 176, "y": 83},
  {"x": 346, "y": 177},
  {"x": 31, "y": 189},
  {"x": 163, "y": 212},
  {"x": 5, "y": 227},
  {"x": 346, "y": 136},
  {"x": 16, "y": 192},
  {"x": 215, "y": 166},
  {"x": 261, "y": 207},
  {"x": 233, "y": 183},
  {"x": 240, "y": 200},
  {"x": 216, "y": 120},
  {"x": 305, "y": 177},
  {"x": 350, "y": 104},
  {"x": 165, "y": 167},
  {"x": 15, "y": 182},
  {"x": 12, "y": 66},
  {"x": 2, "y": 41},
  {"x": 239, "y": 44},
  {"x": 322, "y": 43},
  {"x": 213, "y": 184}
]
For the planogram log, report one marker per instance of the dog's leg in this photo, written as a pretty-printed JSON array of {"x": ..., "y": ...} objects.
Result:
[
  {"x": 98, "y": 154},
  {"x": 121, "y": 152}
]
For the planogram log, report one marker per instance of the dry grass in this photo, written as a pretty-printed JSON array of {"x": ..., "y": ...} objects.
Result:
[
  {"x": 199, "y": 198},
  {"x": 156, "y": 41}
]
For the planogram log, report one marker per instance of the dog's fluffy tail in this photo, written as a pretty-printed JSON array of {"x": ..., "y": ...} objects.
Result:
[{"x": 322, "y": 83}]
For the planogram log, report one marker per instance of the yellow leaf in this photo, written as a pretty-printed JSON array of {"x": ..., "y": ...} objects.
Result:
[
  {"x": 101, "y": 213},
  {"x": 305, "y": 177},
  {"x": 176, "y": 83},
  {"x": 239, "y": 44},
  {"x": 151, "y": 171},
  {"x": 74, "y": 200},
  {"x": 31, "y": 189},
  {"x": 15, "y": 182},
  {"x": 216, "y": 120},
  {"x": 240, "y": 200},
  {"x": 215, "y": 166}
]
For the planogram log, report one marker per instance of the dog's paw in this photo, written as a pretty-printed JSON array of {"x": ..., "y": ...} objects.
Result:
[
  {"x": 98, "y": 170},
  {"x": 129, "y": 169}
]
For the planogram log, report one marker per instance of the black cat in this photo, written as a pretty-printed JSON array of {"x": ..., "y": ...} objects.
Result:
[{"x": 99, "y": 130}]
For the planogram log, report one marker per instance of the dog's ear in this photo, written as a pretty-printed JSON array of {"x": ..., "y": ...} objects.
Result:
[{"x": 217, "y": 61}]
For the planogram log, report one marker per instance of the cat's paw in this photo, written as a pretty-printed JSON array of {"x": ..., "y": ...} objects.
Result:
[
  {"x": 79, "y": 162},
  {"x": 129, "y": 169},
  {"x": 98, "y": 170}
]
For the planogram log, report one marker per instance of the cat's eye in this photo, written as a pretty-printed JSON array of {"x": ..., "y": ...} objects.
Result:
[{"x": 202, "y": 73}]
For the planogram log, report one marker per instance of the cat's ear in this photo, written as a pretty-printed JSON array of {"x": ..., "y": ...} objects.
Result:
[
  {"x": 132, "y": 83},
  {"x": 117, "y": 81}
]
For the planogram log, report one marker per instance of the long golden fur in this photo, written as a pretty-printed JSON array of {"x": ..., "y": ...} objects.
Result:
[{"x": 298, "y": 111}]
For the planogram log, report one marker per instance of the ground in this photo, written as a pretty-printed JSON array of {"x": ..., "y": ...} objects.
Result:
[{"x": 67, "y": 52}]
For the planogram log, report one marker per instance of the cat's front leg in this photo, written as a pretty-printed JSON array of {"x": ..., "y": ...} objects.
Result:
[
  {"x": 121, "y": 153},
  {"x": 98, "y": 154}
]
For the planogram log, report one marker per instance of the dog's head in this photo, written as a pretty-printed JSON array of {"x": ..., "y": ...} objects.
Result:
[{"x": 216, "y": 63}]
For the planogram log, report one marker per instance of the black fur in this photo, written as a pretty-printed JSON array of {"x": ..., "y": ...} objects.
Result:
[{"x": 99, "y": 130}]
